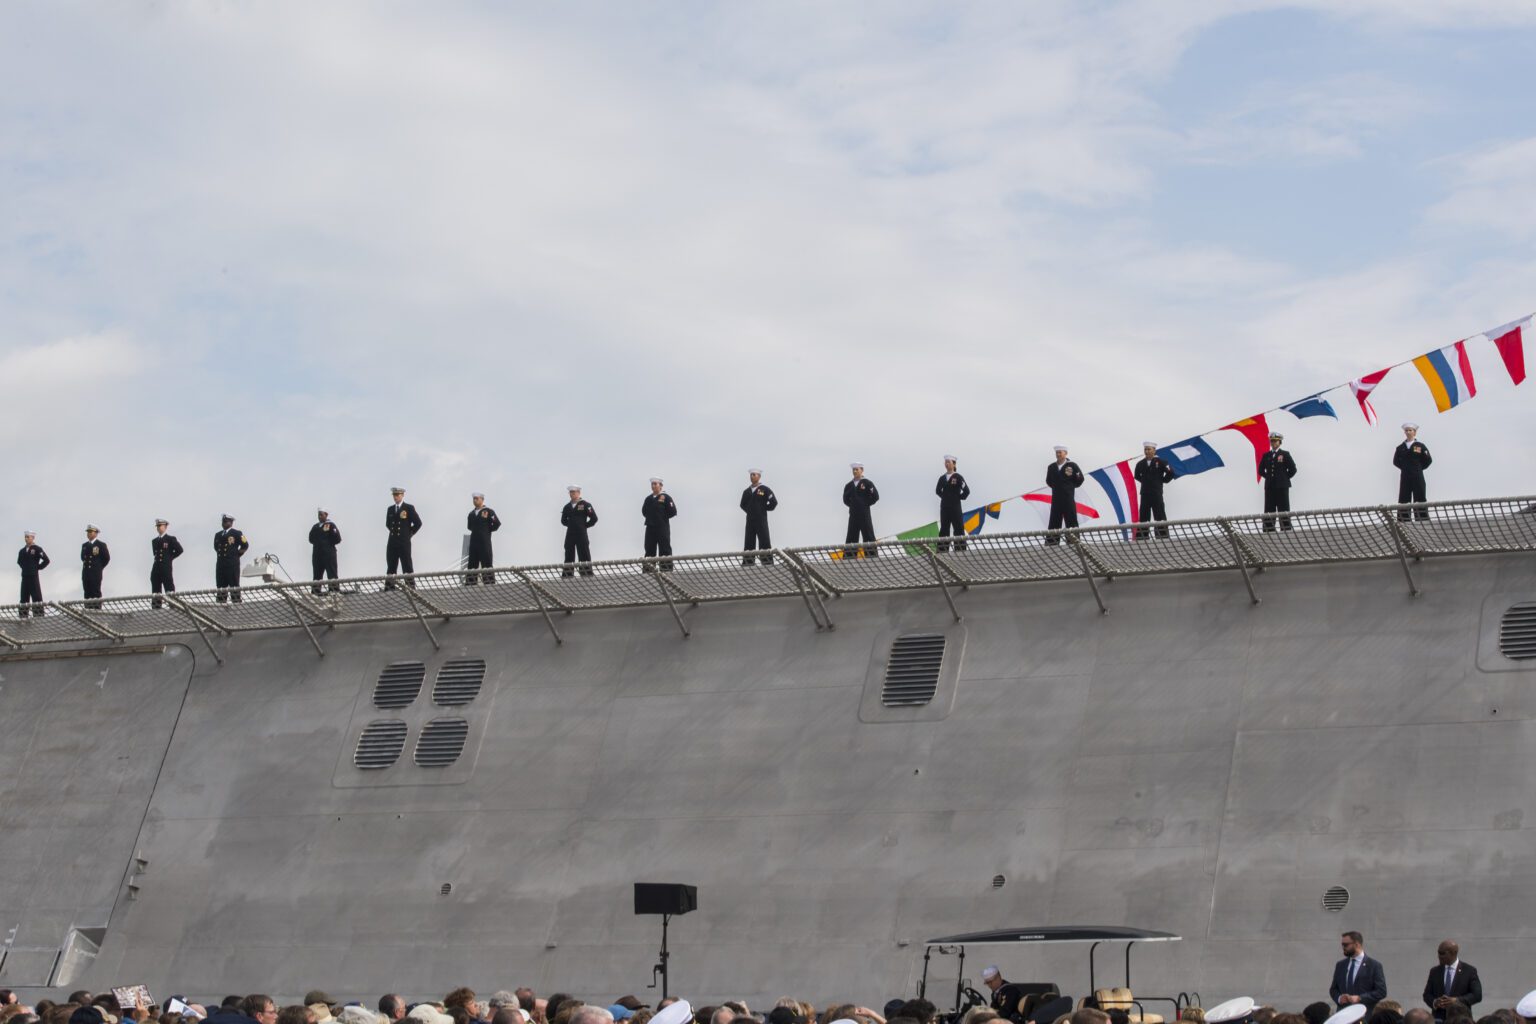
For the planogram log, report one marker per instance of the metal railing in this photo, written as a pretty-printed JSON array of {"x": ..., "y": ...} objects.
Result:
[{"x": 1241, "y": 544}]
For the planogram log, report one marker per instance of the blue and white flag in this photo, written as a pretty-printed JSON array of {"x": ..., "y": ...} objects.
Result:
[
  {"x": 1190, "y": 457},
  {"x": 1314, "y": 405}
]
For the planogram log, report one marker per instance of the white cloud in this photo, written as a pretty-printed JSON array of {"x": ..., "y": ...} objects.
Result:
[{"x": 1494, "y": 190}]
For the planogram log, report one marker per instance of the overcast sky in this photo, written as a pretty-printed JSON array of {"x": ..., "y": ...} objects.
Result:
[{"x": 256, "y": 257}]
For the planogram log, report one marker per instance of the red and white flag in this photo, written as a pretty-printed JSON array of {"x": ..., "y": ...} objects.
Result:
[{"x": 1362, "y": 388}]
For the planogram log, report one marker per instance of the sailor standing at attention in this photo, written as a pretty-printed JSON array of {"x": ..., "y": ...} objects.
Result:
[
  {"x": 1063, "y": 477},
  {"x": 1412, "y": 458},
  {"x": 323, "y": 538},
  {"x": 1152, "y": 472},
  {"x": 859, "y": 495},
  {"x": 94, "y": 557},
  {"x": 482, "y": 523},
  {"x": 952, "y": 490},
  {"x": 164, "y": 549},
  {"x": 657, "y": 510},
  {"x": 757, "y": 501},
  {"x": 228, "y": 545},
  {"x": 32, "y": 560},
  {"x": 577, "y": 517},
  {"x": 1276, "y": 469},
  {"x": 402, "y": 522}
]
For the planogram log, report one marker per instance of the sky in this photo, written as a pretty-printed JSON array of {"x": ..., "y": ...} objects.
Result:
[{"x": 256, "y": 258}]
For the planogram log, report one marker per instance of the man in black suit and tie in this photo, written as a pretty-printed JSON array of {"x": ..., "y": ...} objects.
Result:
[
  {"x": 1357, "y": 978},
  {"x": 1451, "y": 982},
  {"x": 402, "y": 522}
]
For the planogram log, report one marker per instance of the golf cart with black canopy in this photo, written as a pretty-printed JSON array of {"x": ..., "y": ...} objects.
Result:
[{"x": 1117, "y": 997}]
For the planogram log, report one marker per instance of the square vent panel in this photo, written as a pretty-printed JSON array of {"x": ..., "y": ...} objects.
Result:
[{"x": 912, "y": 674}]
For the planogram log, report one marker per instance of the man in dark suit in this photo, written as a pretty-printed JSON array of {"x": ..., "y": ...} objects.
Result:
[
  {"x": 1276, "y": 469},
  {"x": 164, "y": 549},
  {"x": 952, "y": 490},
  {"x": 1451, "y": 982},
  {"x": 1151, "y": 473},
  {"x": 324, "y": 535},
  {"x": 94, "y": 557},
  {"x": 228, "y": 545},
  {"x": 1357, "y": 978},
  {"x": 757, "y": 501},
  {"x": 1411, "y": 458},
  {"x": 1063, "y": 477},
  {"x": 402, "y": 522}
]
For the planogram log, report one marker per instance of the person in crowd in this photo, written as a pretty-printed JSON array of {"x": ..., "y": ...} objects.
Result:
[
  {"x": 33, "y": 560},
  {"x": 1451, "y": 981},
  {"x": 1063, "y": 477},
  {"x": 1411, "y": 458},
  {"x": 1357, "y": 978}
]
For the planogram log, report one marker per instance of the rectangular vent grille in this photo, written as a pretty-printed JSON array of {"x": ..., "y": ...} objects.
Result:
[
  {"x": 912, "y": 671},
  {"x": 399, "y": 684},
  {"x": 380, "y": 744},
  {"x": 1517, "y": 633},
  {"x": 441, "y": 742},
  {"x": 458, "y": 682}
]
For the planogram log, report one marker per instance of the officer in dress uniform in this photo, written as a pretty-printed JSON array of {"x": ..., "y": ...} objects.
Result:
[
  {"x": 1412, "y": 458},
  {"x": 1276, "y": 468},
  {"x": 164, "y": 549},
  {"x": 228, "y": 545},
  {"x": 952, "y": 490},
  {"x": 1063, "y": 477},
  {"x": 757, "y": 501},
  {"x": 323, "y": 538},
  {"x": 1152, "y": 472},
  {"x": 402, "y": 522},
  {"x": 859, "y": 495},
  {"x": 32, "y": 560},
  {"x": 657, "y": 510},
  {"x": 94, "y": 557},
  {"x": 577, "y": 517},
  {"x": 482, "y": 523}
]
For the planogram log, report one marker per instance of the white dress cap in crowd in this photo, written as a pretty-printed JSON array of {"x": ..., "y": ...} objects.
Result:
[
  {"x": 397, "y": 490},
  {"x": 1526, "y": 1007},
  {"x": 1275, "y": 435},
  {"x": 1060, "y": 448},
  {"x": 1149, "y": 444},
  {"x": 1348, "y": 1015},
  {"x": 678, "y": 1013},
  {"x": 1410, "y": 426},
  {"x": 572, "y": 487},
  {"x": 1230, "y": 1011},
  {"x": 989, "y": 972},
  {"x": 951, "y": 458},
  {"x": 162, "y": 522},
  {"x": 655, "y": 479},
  {"x": 29, "y": 533},
  {"x": 755, "y": 470},
  {"x": 477, "y": 494},
  {"x": 226, "y": 515},
  {"x": 855, "y": 465},
  {"x": 93, "y": 526}
]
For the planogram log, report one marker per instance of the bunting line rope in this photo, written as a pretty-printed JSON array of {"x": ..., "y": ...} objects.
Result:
[{"x": 1447, "y": 372}]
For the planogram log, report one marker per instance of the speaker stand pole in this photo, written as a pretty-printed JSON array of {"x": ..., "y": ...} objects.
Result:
[{"x": 665, "y": 920}]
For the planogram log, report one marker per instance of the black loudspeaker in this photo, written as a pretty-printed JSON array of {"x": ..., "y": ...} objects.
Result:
[{"x": 665, "y": 898}]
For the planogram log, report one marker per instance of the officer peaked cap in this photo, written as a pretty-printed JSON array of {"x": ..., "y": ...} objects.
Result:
[
  {"x": 162, "y": 522},
  {"x": 1275, "y": 435},
  {"x": 397, "y": 490},
  {"x": 92, "y": 526},
  {"x": 229, "y": 517}
]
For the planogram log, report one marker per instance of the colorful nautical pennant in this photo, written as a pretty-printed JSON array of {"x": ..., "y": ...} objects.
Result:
[
  {"x": 1256, "y": 430},
  {"x": 1362, "y": 388},
  {"x": 1119, "y": 483},
  {"x": 1315, "y": 405},
  {"x": 1448, "y": 372},
  {"x": 976, "y": 518},
  {"x": 1510, "y": 341},
  {"x": 1040, "y": 501},
  {"x": 1190, "y": 456}
]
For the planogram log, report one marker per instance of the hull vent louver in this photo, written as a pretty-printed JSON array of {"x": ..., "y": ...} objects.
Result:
[
  {"x": 380, "y": 744},
  {"x": 441, "y": 742},
  {"x": 399, "y": 684},
  {"x": 1517, "y": 633},
  {"x": 458, "y": 682},
  {"x": 912, "y": 671}
]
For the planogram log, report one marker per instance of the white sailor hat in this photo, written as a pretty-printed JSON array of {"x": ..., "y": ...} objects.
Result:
[
  {"x": 951, "y": 458},
  {"x": 989, "y": 972},
  {"x": 1149, "y": 444},
  {"x": 322, "y": 508},
  {"x": 1233, "y": 1010},
  {"x": 1410, "y": 426},
  {"x": 655, "y": 479},
  {"x": 92, "y": 527},
  {"x": 676, "y": 1013},
  {"x": 1275, "y": 435},
  {"x": 855, "y": 465},
  {"x": 1526, "y": 1007},
  {"x": 29, "y": 533},
  {"x": 1347, "y": 1015},
  {"x": 397, "y": 490},
  {"x": 759, "y": 472},
  {"x": 572, "y": 487},
  {"x": 1060, "y": 448},
  {"x": 477, "y": 494},
  {"x": 162, "y": 522}
]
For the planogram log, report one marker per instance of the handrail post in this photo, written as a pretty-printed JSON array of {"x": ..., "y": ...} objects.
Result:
[
  {"x": 538, "y": 599},
  {"x": 933, "y": 560},
  {"x": 293, "y": 607},
  {"x": 1076, "y": 542},
  {"x": 1239, "y": 557},
  {"x": 812, "y": 581},
  {"x": 671, "y": 606},
  {"x": 1402, "y": 549},
  {"x": 410, "y": 597},
  {"x": 196, "y": 620}
]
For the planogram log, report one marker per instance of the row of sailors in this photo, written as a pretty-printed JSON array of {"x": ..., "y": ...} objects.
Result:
[{"x": 402, "y": 522}]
